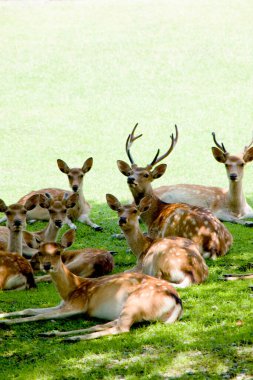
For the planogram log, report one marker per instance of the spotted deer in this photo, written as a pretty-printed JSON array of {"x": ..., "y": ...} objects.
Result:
[
  {"x": 58, "y": 208},
  {"x": 82, "y": 209},
  {"x": 85, "y": 262},
  {"x": 123, "y": 298},
  {"x": 175, "y": 219},
  {"x": 15, "y": 271},
  {"x": 12, "y": 235},
  {"x": 174, "y": 259},
  {"x": 228, "y": 205}
]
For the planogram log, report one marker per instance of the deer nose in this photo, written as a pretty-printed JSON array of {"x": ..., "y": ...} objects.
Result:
[
  {"x": 58, "y": 223},
  {"x": 233, "y": 176},
  {"x": 17, "y": 223},
  {"x": 47, "y": 266},
  {"x": 75, "y": 188},
  {"x": 130, "y": 180},
  {"x": 122, "y": 220}
]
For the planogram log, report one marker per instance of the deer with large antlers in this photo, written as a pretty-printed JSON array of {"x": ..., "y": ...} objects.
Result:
[
  {"x": 123, "y": 298},
  {"x": 179, "y": 219},
  {"x": 228, "y": 205},
  {"x": 174, "y": 259},
  {"x": 82, "y": 208},
  {"x": 15, "y": 271}
]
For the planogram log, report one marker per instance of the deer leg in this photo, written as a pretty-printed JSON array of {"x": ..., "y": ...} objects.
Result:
[
  {"x": 89, "y": 329},
  {"x": 31, "y": 311},
  {"x": 71, "y": 224},
  {"x": 86, "y": 220},
  {"x": 56, "y": 314},
  {"x": 45, "y": 278},
  {"x": 233, "y": 277}
]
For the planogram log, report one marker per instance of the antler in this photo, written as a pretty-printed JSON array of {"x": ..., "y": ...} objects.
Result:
[
  {"x": 221, "y": 147},
  {"x": 173, "y": 144},
  {"x": 248, "y": 146},
  {"x": 131, "y": 138}
]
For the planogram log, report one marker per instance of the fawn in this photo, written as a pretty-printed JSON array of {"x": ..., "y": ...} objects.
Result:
[{"x": 174, "y": 259}]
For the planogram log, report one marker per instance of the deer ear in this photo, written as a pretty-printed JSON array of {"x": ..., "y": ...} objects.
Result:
[
  {"x": 113, "y": 202},
  {"x": 63, "y": 166},
  {"x": 32, "y": 202},
  {"x": 145, "y": 204},
  {"x": 124, "y": 168},
  {"x": 159, "y": 171},
  {"x": 219, "y": 155},
  {"x": 33, "y": 241},
  {"x": 248, "y": 155},
  {"x": 87, "y": 165},
  {"x": 3, "y": 206},
  {"x": 72, "y": 200},
  {"x": 68, "y": 238},
  {"x": 44, "y": 200}
]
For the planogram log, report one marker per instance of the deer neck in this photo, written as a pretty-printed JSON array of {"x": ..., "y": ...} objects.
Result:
[
  {"x": 236, "y": 199},
  {"x": 81, "y": 198},
  {"x": 138, "y": 195},
  {"x": 65, "y": 281},
  {"x": 137, "y": 241},
  {"x": 15, "y": 241},
  {"x": 49, "y": 233}
]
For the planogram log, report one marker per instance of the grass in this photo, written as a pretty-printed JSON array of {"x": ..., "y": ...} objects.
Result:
[{"x": 75, "y": 77}]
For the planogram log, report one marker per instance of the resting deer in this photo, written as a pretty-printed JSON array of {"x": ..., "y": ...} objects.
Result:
[
  {"x": 123, "y": 298},
  {"x": 57, "y": 208},
  {"x": 227, "y": 205},
  {"x": 15, "y": 271},
  {"x": 82, "y": 209},
  {"x": 86, "y": 262},
  {"x": 178, "y": 219},
  {"x": 12, "y": 235},
  {"x": 174, "y": 259}
]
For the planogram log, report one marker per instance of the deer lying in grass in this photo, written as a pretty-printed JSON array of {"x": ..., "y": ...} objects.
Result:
[
  {"x": 15, "y": 271},
  {"x": 227, "y": 205},
  {"x": 57, "y": 208},
  {"x": 86, "y": 262},
  {"x": 178, "y": 219},
  {"x": 82, "y": 209},
  {"x": 12, "y": 235},
  {"x": 174, "y": 259},
  {"x": 123, "y": 298}
]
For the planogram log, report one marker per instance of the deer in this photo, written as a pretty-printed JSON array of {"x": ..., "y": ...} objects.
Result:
[
  {"x": 228, "y": 205},
  {"x": 82, "y": 209},
  {"x": 172, "y": 219},
  {"x": 122, "y": 299},
  {"x": 11, "y": 236},
  {"x": 174, "y": 259},
  {"x": 15, "y": 271},
  {"x": 85, "y": 262},
  {"x": 57, "y": 208}
]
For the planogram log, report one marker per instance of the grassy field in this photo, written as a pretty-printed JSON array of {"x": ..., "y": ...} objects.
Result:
[{"x": 75, "y": 77}]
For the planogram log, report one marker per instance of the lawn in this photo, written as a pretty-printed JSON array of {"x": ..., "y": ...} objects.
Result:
[{"x": 75, "y": 77}]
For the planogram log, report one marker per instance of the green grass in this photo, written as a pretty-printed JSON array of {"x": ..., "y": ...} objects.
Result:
[{"x": 75, "y": 77}]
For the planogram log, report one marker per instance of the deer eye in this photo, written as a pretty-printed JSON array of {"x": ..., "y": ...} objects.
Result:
[
  {"x": 58, "y": 253},
  {"x": 134, "y": 211},
  {"x": 146, "y": 175},
  {"x": 242, "y": 165},
  {"x": 8, "y": 213}
]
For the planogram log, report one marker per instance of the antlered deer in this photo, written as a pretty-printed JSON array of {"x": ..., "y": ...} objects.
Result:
[
  {"x": 123, "y": 298},
  {"x": 176, "y": 219},
  {"x": 82, "y": 209},
  {"x": 227, "y": 205},
  {"x": 174, "y": 259}
]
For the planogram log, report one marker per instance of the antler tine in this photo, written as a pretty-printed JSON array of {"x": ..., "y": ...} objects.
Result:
[
  {"x": 172, "y": 145},
  {"x": 248, "y": 146},
  {"x": 221, "y": 147},
  {"x": 131, "y": 138}
]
